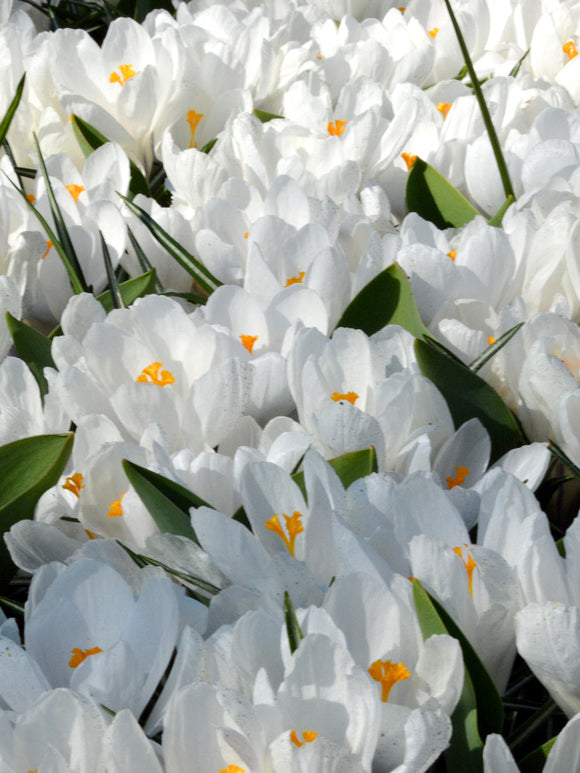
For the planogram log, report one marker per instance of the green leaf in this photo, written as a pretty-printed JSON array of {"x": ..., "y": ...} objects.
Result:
[
  {"x": 130, "y": 291},
  {"x": 469, "y": 396},
  {"x": 516, "y": 68},
  {"x": 167, "y": 502},
  {"x": 265, "y": 117},
  {"x": 489, "y": 706},
  {"x": 209, "y": 145},
  {"x": 32, "y": 347},
  {"x": 90, "y": 139},
  {"x": 497, "y": 219},
  {"x": 116, "y": 297},
  {"x": 12, "y": 107},
  {"x": 492, "y": 350},
  {"x": 29, "y": 468},
  {"x": 349, "y": 467},
  {"x": 143, "y": 259},
  {"x": 561, "y": 456},
  {"x": 295, "y": 634},
  {"x": 433, "y": 197},
  {"x": 493, "y": 138},
  {"x": 465, "y": 754},
  {"x": 536, "y": 760},
  {"x": 386, "y": 300},
  {"x": 193, "y": 267}
]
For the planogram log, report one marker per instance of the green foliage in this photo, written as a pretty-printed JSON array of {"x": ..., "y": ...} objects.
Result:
[
  {"x": 12, "y": 107},
  {"x": 28, "y": 468},
  {"x": 116, "y": 296},
  {"x": 349, "y": 467},
  {"x": 492, "y": 350},
  {"x": 433, "y": 197},
  {"x": 265, "y": 117},
  {"x": 536, "y": 760},
  {"x": 295, "y": 634},
  {"x": 32, "y": 347}
]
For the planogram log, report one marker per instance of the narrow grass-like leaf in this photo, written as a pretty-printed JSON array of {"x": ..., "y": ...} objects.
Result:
[
  {"x": 12, "y": 107},
  {"x": 116, "y": 297},
  {"x": 200, "y": 300},
  {"x": 32, "y": 347},
  {"x": 180, "y": 496},
  {"x": 130, "y": 291},
  {"x": 349, "y": 467},
  {"x": 143, "y": 259},
  {"x": 469, "y": 396},
  {"x": 494, "y": 348},
  {"x": 530, "y": 727},
  {"x": 293, "y": 629},
  {"x": 493, "y": 138},
  {"x": 169, "y": 517},
  {"x": 536, "y": 760},
  {"x": 465, "y": 753},
  {"x": 209, "y": 145},
  {"x": 61, "y": 229},
  {"x": 385, "y": 300},
  {"x": 264, "y": 116},
  {"x": 516, "y": 68},
  {"x": 29, "y": 468},
  {"x": 562, "y": 456},
  {"x": 90, "y": 139},
  {"x": 497, "y": 219},
  {"x": 194, "y": 268},
  {"x": 433, "y": 197},
  {"x": 77, "y": 280}
]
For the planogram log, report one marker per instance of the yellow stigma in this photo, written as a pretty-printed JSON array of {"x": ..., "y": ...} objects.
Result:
[
  {"x": 409, "y": 159},
  {"x": 388, "y": 674},
  {"x": 444, "y": 108},
  {"x": 79, "y": 656},
  {"x": 116, "y": 508},
  {"x": 307, "y": 737},
  {"x": 570, "y": 50},
  {"x": 152, "y": 375},
  {"x": 75, "y": 190},
  {"x": 336, "y": 128},
  {"x": 293, "y": 526},
  {"x": 31, "y": 197},
  {"x": 452, "y": 255},
  {"x": 248, "y": 341},
  {"x": 469, "y": 565},
  {"x": 49, "y": 246},
  {"x": 459, "y": 479},
  {"x": 295, "y": 280},
  {"x": 74, "y": 483},
  {"x": 127, "y": 72},
  {"x": 193, "y": 120},
  {"x": 401, "y": 8},
  {"x": 491, "y": 340},
  {"x": 246, "y": 234},
  {"x": 232, "y": 769},
  {"x": 350, "y": 397},
  {"x": 433, "y": 33},
  {"x": 90, "y": 534}
]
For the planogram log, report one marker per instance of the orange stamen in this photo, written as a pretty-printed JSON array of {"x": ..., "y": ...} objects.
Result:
[
  {"x": 79, "y": 656},
  {"x": 570, "y": 50},
  {"x": 295, "y": 280},
  {"x": 193, "y": 120},
  {"x": 248, "y": 341},
  {"x": 433, "y": 33},
  {"x": 49, "y": 246},
  {"x": 388, "y": 674},
  {"x": 127, "y": 72},
  {"x": 459, "y": 479},
  {"x": 491, "y": 340},
  {"x": 74, "y": 483},
  {"x": 350, "y": 397},
  {"x": 116, "y": 508},
  {"x": 75, "y": 190},
  {"x": 444, "y": 108},
  {"x": 470, "y": 565},
  {"x": 336, "y": 128},
  {"x": 409, "y": 159},
  {"x": 293, "y": 526},
  {"x": 308, "y": 736},
  {"x": 452, "y": 254},
  {"x": 152, "y": 375}
]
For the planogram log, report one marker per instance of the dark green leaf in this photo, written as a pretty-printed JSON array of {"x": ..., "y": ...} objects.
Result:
[
  {"x": 469, "y": 396},
  {"x": 516, "y": 68},
  {"x": 194, "y": 268},
  {"x": 494, "y": 348},
  {"x": 90, "y": 139},
  {"x": 386, "y": 300},
  {"x": 32, "y": 347},
  {"x": 465, "y": 753},
  {"x": 12, "y": 107},
  {"x": 29, "y": 468},
  {"x": 241, "y": 517},
  {"x": 265, "y": 117},
  {"x": 561, "y": 455},
  {"x": 433, "y": 197},
  {"x": 209, "y": 145},
  {"x": 116, "y": 297},
  {"x": 349, "y": 467},
  {"x": 143, "y": 259},
  {"x": 168, "y": 503},
  {"x": 536, "y": 760},
  {"x": 295, "y": 634}
]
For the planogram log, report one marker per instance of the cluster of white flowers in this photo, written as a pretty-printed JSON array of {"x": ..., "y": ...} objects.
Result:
[{"x": 278, "y": 632}]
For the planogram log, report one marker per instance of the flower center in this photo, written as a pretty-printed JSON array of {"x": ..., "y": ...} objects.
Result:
[
  {"x": 350, "y": 397},
  {"x": 388, "y": 674},
  {"x": 193, "y": 120},
  {"x": 491, "y": 340},
  {"x": 307, "y": 737},
  {"x": 126, "y": 71},
  {"x": 570, "y": 50},
  {"x": 293, "y": 527},
  {"x": 151, "y": 375},
  {"x": 74, "y": 483},
  {"x": 409, "y": 159},
  {"x": 248, "y": 341},
  {"x": 295, "y": 280},
  {"x": 232, "y": 769},
  {"x": 469, "y": 565},
  {"x": 49, "y": 246},
  {"x": 452, "y": 255},
  {"x": 459, "y": 478},
  {"x": 433, "y": 33},
  {"x": 75, "y": 190},
  {"x": 336, "y": 128},
  {"x": 79, "y": 656},
  {"x": 444, "y": 108},
  {"x": 116, "y": 508}
]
